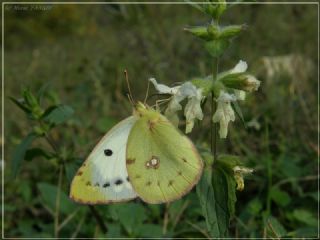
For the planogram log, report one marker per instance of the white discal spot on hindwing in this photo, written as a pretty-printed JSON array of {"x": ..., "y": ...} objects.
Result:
[{"x": 154, "y": 163}]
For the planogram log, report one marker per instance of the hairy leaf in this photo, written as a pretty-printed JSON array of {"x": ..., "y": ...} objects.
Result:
[
  {"x": 20, "y": 151},
  {"x": 36, "y": 152},
  {"x": 72, "y": 167},
  {"x": 58, "y": 114},
  {"x": 238, "y": 111},
  {"x": 231, "y": 189},
  {"x": 48, "y": 194},
  {"x": 20, "y": 105},
  {"x": 282, "y": 198},
  {"x": 130, "y": 215},
  {"x": 210, "y": 200},
  {"x": 42, "y": 91},
  {"x": 275, "y": 228}
]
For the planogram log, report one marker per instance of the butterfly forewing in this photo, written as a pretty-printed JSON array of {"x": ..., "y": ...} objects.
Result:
[
  {"x": 162, "y": 163},
  {"x": 103, "y": 176}
]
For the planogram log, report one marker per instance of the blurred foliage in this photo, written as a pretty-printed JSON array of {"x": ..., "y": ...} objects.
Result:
[{"x": 80, "y": 52}]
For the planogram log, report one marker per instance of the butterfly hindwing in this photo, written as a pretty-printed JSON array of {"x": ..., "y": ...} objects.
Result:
[
  {"x": 103, "y": 177},
  {"x": 162, "y": 163}
]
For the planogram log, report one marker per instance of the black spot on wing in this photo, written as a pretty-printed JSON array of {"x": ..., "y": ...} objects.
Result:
[
  {"x": 118, "y": 182},
  {"x": 108, "y": 152}
]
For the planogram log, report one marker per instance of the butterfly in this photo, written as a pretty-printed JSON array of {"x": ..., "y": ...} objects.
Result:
[{"x": 143, "y": 156}]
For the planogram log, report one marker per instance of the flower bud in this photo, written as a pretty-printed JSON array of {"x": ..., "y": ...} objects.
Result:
[
  {"x": 239, "y": 173},
  {"x": 215, "y": 9},
  {"x": 213, "y": 31},
  {"x": 240, "y": 81},
  {"x": 199, "y": 31},
  {"x": 231, "y": 31}
]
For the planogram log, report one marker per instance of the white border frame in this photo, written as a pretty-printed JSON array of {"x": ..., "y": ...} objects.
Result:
[{"x": 129, "y": 3}]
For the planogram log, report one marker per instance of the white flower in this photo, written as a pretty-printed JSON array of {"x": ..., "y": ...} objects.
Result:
[
  {"x": 192, "y": 109},
  {"x": 252, "y": 84},
  {"x": 161, "y": 88},
  {"x": 240, "y": 67},
  {"x": 242, "y": 170},
  {"x": 240, "y": 94},
  {"x": 224, "y": 113}
]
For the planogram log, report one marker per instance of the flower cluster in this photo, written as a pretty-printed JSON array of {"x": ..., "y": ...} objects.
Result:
[
  {"x": 229, "y": 86},
  {"x": 192, "y": 109}
]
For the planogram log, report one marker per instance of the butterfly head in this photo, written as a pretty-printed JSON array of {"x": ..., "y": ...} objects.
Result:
[{"x": 143, "y": 110}]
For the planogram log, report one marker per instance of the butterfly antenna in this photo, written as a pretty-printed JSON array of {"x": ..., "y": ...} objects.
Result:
[
  {"x": 128, "y": 85},
  {"x": 146, "y": 97}
]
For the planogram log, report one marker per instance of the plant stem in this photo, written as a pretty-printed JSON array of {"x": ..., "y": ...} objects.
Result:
[
  {"x": 57, "y": 210},
  {"x": 99, "y": 219},
  {"x": 165, "y": 219},
  {"x": 214, "y": 126},
  {"x": 269, "y": 170}
]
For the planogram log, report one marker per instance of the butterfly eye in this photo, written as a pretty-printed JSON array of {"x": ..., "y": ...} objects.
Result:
[{"x": 108, "y": 152}]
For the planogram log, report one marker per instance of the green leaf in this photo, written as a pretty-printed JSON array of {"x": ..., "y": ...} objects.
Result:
[
  {"x": 20, "y": 104},
  {"x": 254, "y": 206},
  {"x": 114, "y": 231},
  {"x": 232, "y": 197},
  {"x": 20, "y": 151},
  {"x": 314, "y": 195},
  {"x": 217, "y": 47},
  {"x": 36, "y": 152},
  {"x": 151, "y": 230},
  {"x": 154, "y": 211},
  {"x": 228, "y": 162},
  {"x": 130, "y": 215},
  {"x": 72, "y": 167},
  {"x": 282, "y": 198},
  {"x": 238, "y": 111},
  {"x": 42, "y": 91},
  {"x": 305, "y": 232},
  {"x": 305, "y": 216},
  {"x": 213, "y": 200},
  {"x": 30, "y": 99},
  {"x": 275, "y": 228},
  {"x": 26, "y": 191},
  {"x": 48, "y": 195},
  {"x": 58, "y": 114}
]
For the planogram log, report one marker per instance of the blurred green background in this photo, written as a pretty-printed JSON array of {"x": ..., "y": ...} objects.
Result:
[{"x": 81, "y": 52}]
